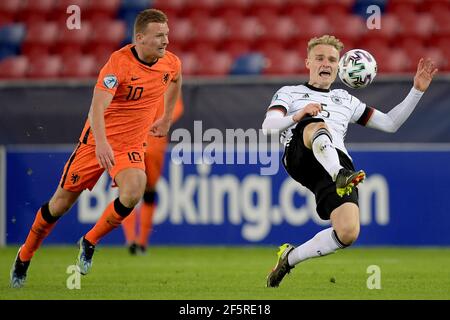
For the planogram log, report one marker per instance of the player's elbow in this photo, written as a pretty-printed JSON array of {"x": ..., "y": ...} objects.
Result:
[{"x": 391, "y": 129}]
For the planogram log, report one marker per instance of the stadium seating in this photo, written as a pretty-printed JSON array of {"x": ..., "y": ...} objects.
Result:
[
  {"x": 14, "y": 67},
  {"x": 45, "y": 67},
  {"x": 40, "y": 38},
  {"x": 234, "y": 28},
  {"x": 79, "y": 66}
]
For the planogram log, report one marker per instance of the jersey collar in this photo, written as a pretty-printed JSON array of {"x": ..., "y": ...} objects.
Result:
[
  {"x": 135, "y": 54},
  {"x": 314, "y": 88}
]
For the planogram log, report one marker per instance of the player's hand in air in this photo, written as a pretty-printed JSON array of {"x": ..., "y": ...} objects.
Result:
[
  {"x": 312, "y": 109},
  {"x": 426, "y": 69},
  {"x": 160, "y": 128},
  {"x": 105, "y": 155}
]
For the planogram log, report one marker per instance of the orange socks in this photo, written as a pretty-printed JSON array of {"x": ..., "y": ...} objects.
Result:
[
  {"x": 147, "y": 211},
  {"x": 129, "y": 227},
  {"x": 111, "y": 218},
  {"x": 42, "y": 225}
]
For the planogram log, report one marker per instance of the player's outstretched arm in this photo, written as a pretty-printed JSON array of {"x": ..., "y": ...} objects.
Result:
[
  {"x": 161, "y": 126},
  {"x": 100, "y": 101},
  {"x": 394, "y": 119},
  {"x": 425, "y": 72}
]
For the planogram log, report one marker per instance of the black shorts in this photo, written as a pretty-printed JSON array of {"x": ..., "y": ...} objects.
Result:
[{"x": 303, "y": 167}]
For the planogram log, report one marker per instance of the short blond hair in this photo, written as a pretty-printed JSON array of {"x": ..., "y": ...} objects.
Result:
[
  {"x": 146, "y": 16},
  {"x": 325, "y": 39}
]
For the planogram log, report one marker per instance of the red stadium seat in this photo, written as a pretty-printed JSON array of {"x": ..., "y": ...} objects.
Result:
[
  {"x": 212, "y": 31},
  {"x": 40, "y": 38},
  {"x": 72, "y": 41},
  {"x": 244, "y": 30},
  {"x": 9, "y": 10},
  {"x": 348, "y": 28},
  {"x": 189, "y": 63},
  {"x": 392, "y": 61},
  {"x": 33, "y": 11},
  {"x": 207, "y": 7},
  {"x": 111, "y": 32},
  {"x": 238, "y": 5},
  {"x": 13, "y": 67},
  {"x": 214, "y": 64},
  {"x": 312, "y": 26},
  {"x": 171, "y": 7},
  {"x": 45, "y": 67},
  {"x": 181, "y": 31},
  {"x": 101, "y": 55},
  {"x": 402, "y": 7},
  {"x": 79, "y": 66},
  {"x": 335, "y": 7},
  {"x": 277, "y": 28},
  {"x": 433, "y": 53},
  {"x": 6, "y": 18},
  {"x": 416, "y": 26},
  {"x": 11, "y": 6},
  {"x": 284, "y": 62},
  {"x": 441, "y": 25},
  {"x": 299, "y": 7},
  {"x": 102, "y": 10}
]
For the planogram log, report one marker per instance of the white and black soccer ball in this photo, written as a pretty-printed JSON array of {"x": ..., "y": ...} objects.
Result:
[{"x": 357, "y": 68}]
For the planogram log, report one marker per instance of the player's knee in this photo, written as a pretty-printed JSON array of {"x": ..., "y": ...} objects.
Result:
[
  {"x": 130, "y": 198},
  {"x": 348, "y": 234},
  {"x": 312, "y": 130},
  {"x": 149, "y": 197},
  {"x": 59, "y": 206}
]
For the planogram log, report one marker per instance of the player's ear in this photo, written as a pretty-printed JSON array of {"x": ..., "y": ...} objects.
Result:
[
  {"x": 307, "y": 63},
  {"x": 138, "y": 37}
]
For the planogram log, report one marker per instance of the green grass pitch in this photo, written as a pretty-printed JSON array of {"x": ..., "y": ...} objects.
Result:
[{"x": 231, "y": 273}]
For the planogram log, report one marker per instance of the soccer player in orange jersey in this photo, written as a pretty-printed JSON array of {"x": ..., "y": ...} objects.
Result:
[
  {"x": 130, "y": 87},
  {"x": 154, "y": 160}
]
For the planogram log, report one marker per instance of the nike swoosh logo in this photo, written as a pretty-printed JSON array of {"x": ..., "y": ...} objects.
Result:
[{"x": 133, "y": 78}]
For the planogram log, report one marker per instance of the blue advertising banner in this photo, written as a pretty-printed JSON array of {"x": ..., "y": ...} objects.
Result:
[{"x": 404, "y": 200}]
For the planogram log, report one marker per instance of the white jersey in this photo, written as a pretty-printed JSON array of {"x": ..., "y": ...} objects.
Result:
[{"x": 339, "y": 108}]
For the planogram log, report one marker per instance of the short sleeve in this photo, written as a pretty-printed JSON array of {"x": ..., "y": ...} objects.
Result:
[
  {"x": 282, "y": 98},
  {"x": 110, "y": 75},
  {"x": 358, "y": 108}
]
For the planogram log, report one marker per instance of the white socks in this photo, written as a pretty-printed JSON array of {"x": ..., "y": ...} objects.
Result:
[
  {"x": 323, "y": 243},
  {"x": 325, "y": 153}
]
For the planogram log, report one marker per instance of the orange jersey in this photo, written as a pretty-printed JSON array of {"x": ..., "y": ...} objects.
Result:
[{"x": 138, "y": 90}]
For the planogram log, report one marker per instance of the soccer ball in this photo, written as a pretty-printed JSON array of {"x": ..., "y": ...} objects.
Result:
[{"x": 357, "y": 68}]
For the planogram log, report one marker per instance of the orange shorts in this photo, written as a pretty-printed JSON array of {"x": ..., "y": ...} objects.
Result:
[
  {"x": 154, "y": 159},
  {"x": 82, "y": 170}
]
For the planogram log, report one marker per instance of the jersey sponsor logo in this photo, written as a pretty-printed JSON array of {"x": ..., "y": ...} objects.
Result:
[
  {"x": 134, "y": 78},
  {"x": 110, "y": 81},
  {"x": 305, "y": 96},
  {"x": 336, "y": 99},
  {"x": 165, "y": 78}
]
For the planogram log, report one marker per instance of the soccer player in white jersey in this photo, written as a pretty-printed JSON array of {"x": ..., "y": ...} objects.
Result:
[{"x": 313, "y": 121}]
